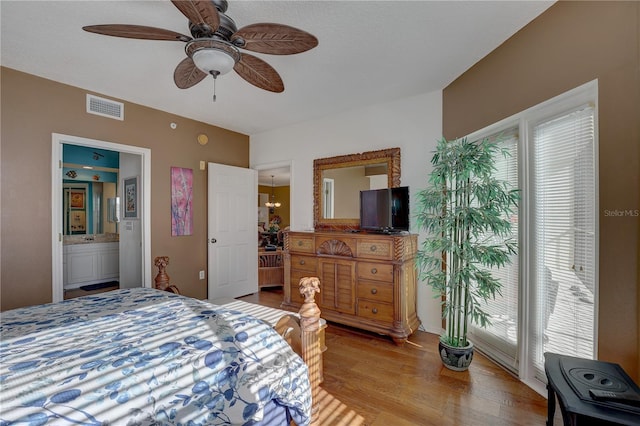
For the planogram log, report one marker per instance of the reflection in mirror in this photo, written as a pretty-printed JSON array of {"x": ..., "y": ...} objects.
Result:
[
  {"x": 75, "y": 209},
  {"x": 341, "y": 183},
  {"x": 113, "y": 210},
  {"x": 90, "y": 179},
  {"x": 85, "y": 208},
  {"x": 328, "y": 196},
  {"x": 339, "y": 180}
]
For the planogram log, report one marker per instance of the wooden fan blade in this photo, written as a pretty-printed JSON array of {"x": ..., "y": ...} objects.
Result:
[
  {"x": 259, "y": 73},
  {"x": 275, "y": 39},
  {"x": 199, "y": 12},
  {"x": 187, "y": 74},
  {"x": 136, "y": 31}
]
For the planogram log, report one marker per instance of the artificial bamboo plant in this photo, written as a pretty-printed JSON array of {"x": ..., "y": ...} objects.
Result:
[{"x": 466, "y": 213}]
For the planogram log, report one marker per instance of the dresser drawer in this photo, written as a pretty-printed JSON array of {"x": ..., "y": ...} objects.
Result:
[
  {"x": 301, "y": 243},
  {"x": 375, "y": 271},
  {"x": 380, "y": 292},
  {"x": 375, "y": 249},
  {"x": 304, "y": 263},
  {"x": 335, "y": 246},
  {"x": 375, "y": 310}
]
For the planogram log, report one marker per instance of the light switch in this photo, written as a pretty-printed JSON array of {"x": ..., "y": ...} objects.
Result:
[{"x": 202, "y": 166}]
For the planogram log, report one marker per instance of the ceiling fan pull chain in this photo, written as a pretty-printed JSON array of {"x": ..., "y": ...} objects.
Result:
[
  {"x": 214, "y": 87},
  {"x": 214, "y": 74}
]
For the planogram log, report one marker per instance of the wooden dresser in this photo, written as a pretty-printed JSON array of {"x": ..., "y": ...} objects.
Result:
[{"x": 367, "y": 281}]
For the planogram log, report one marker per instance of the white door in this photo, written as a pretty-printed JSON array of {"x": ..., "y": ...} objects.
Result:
[{"x": 232, "y": 231}]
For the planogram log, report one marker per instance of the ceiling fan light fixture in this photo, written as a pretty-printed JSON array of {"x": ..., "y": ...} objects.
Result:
[
  {"x": 272, "y": 203},
  {"x": 212, "y": 56},
  {"x": 213, "y": 61}
]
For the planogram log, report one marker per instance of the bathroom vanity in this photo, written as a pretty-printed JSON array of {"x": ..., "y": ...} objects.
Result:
[{"x": 90, "y": 262}]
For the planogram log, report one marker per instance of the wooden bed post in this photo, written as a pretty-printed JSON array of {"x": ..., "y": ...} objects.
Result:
[
  {"x": 311, "y": 351},
  {"x": 162, "y": 279}
]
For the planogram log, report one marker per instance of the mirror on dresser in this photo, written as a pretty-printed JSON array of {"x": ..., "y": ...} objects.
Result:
[{"x": 337, "y": 182}]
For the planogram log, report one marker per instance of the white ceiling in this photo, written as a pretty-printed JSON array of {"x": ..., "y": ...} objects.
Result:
[
  {"x": 368, "y": 52},
  {"x": 281, "y": 176}
]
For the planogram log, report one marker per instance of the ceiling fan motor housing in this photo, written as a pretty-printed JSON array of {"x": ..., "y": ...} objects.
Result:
[
  {"x": 221, "y": 5},
  {"x": 225, "y": 30}
]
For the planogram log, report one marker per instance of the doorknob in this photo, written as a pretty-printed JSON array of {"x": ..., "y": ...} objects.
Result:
[{"x": 213, "y": 241}]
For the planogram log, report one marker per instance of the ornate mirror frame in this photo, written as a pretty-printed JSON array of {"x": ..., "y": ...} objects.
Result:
[{"x": 390, "y": 157}]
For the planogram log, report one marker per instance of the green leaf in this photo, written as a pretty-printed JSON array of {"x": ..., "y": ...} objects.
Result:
[{"x": 466, "y": 213}]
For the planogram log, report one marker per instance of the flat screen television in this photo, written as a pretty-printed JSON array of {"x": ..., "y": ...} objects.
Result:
[{"x": 385, "y": 210}]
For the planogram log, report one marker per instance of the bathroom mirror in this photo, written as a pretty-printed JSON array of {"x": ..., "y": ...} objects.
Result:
[
  {"x": 337, "y": 182},
  {"x": 86, "y": 208},
  {"x": 90, "y": 179}
]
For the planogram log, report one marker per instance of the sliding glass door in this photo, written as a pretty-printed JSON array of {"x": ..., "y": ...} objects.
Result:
[
  {"x": 549, "y": 296},
  {"x": 501, "y": 337},
  {"x": 563, "y": 256}
]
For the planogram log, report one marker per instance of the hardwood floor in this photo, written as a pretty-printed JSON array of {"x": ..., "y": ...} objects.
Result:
[{"x": 371, "y": 381}]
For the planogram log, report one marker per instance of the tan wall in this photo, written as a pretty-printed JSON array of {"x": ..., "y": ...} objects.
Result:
[
  {"x": 32, "y": 109},
  {"x": 568, "y": 45}
]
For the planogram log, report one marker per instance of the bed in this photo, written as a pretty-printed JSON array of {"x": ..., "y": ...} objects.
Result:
[
  {"x": 145, "y": 356},
  {"x": 284, "y": 322}
]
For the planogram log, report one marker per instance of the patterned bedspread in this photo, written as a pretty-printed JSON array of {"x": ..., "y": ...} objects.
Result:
[{"x": 143, "y": 356}]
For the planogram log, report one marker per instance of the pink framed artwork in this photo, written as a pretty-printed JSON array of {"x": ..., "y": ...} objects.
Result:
[{"x": 181, "y": 201}]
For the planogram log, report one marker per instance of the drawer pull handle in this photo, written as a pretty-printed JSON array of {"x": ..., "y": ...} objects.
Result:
[
  {"x": 302, "y": 262},
  {"x": 373, "y": 248},
  {"x": 374, "y": 310},
  {"x": 374, "y": 271},
  {"x": 299, "y": 243},
  {"x": 374, "y": 291}
]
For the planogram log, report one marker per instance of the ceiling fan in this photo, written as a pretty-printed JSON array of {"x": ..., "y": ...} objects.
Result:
[{"x": 214, "y": 48}]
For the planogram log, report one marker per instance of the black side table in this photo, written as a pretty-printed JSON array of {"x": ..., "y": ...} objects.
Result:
[{"x": 571, "y": 379}]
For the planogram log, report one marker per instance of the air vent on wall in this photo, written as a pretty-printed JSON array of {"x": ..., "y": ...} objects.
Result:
[{"x": 105, "y": 107}]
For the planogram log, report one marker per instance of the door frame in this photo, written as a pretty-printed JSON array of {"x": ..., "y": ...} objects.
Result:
[{"x": 57, "y": 140}]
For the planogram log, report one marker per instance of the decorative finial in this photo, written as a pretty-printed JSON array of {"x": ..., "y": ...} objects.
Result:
[{"x": 309, "y": 286}]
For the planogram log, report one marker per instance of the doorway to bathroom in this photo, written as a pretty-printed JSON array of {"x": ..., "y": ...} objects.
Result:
[{"x": 134, "y": 259}]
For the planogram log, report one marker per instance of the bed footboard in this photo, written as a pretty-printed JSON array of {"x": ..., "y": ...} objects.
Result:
[{"x": 303, "y": 335}]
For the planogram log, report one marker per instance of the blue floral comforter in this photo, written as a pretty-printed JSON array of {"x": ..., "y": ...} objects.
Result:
[{"x": 143, "y": 356}]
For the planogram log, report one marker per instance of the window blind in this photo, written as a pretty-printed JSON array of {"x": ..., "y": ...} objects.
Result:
[
  {"x": 563, "y": 236},
  {"x": 499, "y": 340}
]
